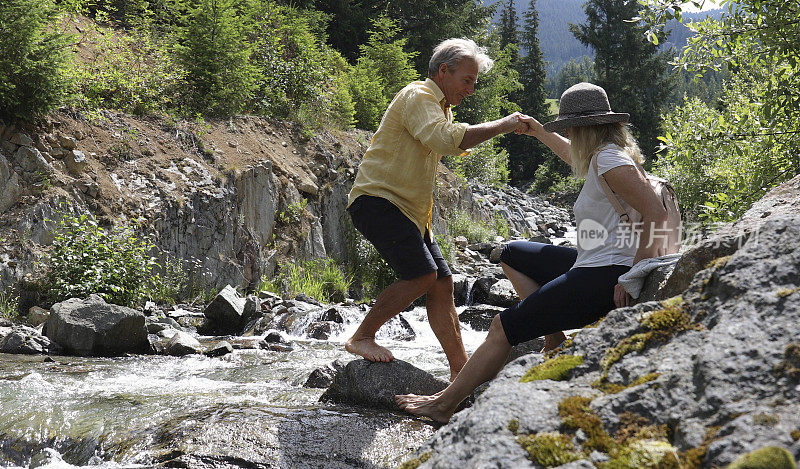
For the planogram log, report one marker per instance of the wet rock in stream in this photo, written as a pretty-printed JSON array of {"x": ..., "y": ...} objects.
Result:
[
  {"x": 374, "y": 384},
  {"x": 323, "y": 376},
  {"x": 94, "y": 327},
  {"x": 226, "y": 311},
  {"x": 27, "y": 340}
]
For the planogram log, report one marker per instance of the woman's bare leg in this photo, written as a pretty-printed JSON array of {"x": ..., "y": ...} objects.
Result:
[
  {"x": 482, "y": 366},
  {"x": 524, "y": 286}
]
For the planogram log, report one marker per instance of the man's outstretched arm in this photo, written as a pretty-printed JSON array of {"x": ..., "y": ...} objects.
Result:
[{"x": 479, "y": 133}]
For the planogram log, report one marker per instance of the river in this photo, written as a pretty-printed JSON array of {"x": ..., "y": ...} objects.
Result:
[{"x": 246, "y": 409}]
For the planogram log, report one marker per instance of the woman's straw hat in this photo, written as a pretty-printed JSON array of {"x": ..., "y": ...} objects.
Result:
[{"x": 584, "y": 104}]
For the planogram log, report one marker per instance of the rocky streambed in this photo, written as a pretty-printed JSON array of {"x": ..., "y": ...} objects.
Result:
[{"x": 235, "y": 383}]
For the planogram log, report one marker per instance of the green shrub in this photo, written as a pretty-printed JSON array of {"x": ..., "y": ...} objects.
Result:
[
  {"x": 554, "y": 176},
  {"x": 299, "y": 76},
  {"x": 447, "y": 247},
  {"x": 370, "y": 273},
  {"x": 477, "y": 231},
  {"x": 717, "y": 173},
  {"x": 87, "y": 259},
  {"x": 382, "y": 69},
  {"x": 487, "y": 163},
  {"x": 269, "y": 285},
  {"x": 169, "y": 283},
  {"x": 9, "y": 305},
  {"x": 126, "y": 71},
  {"x": 215, "y": 53},
  {"x": 33, "y": 59},
  {"x": 321, "y": 279}
]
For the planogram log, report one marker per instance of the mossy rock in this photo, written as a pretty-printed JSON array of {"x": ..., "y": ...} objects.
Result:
[
  {"x": 550, "y": 449},
  {"x": 557, "y": 369},
  {"x": 770, "y": 457}
]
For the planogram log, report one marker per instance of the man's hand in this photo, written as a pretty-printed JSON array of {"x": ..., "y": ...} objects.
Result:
[
  {"x": 479, "y": 133},
  {"x": 532, "y": 126},
  {"x": 621, "y": 297},
  {"x": 514, "y": 123}
]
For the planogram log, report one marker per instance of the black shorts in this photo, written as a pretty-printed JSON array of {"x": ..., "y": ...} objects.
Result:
[
  {"x": 567, "y": 298},
  {"x": 397, "y": 239}
]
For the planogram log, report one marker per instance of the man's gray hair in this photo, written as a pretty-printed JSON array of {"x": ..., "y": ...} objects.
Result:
[{"x": 453, "y": 51}]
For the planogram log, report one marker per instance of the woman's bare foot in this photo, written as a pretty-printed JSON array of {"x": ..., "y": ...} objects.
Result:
[
  {"x": 368, "y": 349},
  {"x": 405, "y": 399},
  {"x": 552, "y": 341},
  {"x": 432, "y": 408}
]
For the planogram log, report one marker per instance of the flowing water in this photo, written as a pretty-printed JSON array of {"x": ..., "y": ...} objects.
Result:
[{"x": 246, "y": 409}]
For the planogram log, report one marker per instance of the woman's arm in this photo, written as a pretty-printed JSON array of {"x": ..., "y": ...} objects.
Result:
[
  {"x": 632, "y": 187},
  {"x": 554, "y": 141}
]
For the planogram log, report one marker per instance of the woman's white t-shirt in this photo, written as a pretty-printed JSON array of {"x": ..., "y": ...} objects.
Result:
[{"x": 602, "y": 239}]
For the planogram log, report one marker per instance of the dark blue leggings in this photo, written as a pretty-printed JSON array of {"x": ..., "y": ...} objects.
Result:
[{"x": 566, "y": 299}]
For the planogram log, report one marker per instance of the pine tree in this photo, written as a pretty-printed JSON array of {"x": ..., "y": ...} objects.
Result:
[
  {"x": 382, "y": 69},
  {"x": 508, "y": 25},
  {"x": 628, "y": 66},
  {"x": 33, "y": 56},
  {"x": 216, "y": 56},
  {"x": 526, "y": 153}
]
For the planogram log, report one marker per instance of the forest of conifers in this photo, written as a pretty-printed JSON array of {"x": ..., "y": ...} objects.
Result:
[{"x": 718, "y": 117}]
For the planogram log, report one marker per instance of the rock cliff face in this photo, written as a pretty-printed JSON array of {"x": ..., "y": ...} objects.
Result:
[
  {"x": 231, "y": 199},
  {"x": 694, "y": 381}
]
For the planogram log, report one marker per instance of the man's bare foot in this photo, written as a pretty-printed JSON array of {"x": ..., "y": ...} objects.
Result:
[
  {"x": 552, "y": 341},
  {"x": 431, "y": 408},
  {"x": 368, "y": 349}
]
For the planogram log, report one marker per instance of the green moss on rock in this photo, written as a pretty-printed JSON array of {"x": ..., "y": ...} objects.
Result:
[
  {"x": 693, "y": 458},
  {"x": 718, "y": 262},
  {"x": 795, "y": 434},
  {"x": 660, "y": 324},
  {"x": 513, "y": 426},
  {"x": 608, "y": 387},
  {"x": 790, "y": 365},
  {"x": 550, "y": 449},
  {"x": 557, "y": 369},
  {"x": 643, "y": 454},
  {"x": 576, "y": 415},
  {"x": 770, "y": 457},
  {"x": 414, "y": 463},
  {"x": 784, "y": 292}
]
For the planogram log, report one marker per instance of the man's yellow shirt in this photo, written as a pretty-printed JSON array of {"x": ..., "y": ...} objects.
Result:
[{"x": 401, "y": 162}]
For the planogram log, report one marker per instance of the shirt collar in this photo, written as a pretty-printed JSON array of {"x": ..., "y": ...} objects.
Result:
[{"x": 430, "y": 84}]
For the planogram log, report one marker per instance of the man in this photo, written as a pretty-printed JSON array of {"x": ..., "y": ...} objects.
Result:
[{"x": 392, "y": 198}]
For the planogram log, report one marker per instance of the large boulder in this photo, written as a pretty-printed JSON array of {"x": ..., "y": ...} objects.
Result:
[
  {"x": 479, "y": 317},
  {"x": 707, "y": 376},
  {"x": 226, "y": 311},
  {"x": 492, "y": 291},
  {"x": 182, "y": 344},
  {"x": 95, "y": 328},
  {"x": 27, "y": 340},
  {"x": 374, "y": 384}
]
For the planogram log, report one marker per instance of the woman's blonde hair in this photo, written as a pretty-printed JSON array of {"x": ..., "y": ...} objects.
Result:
[{"x": 585, "y": 140}]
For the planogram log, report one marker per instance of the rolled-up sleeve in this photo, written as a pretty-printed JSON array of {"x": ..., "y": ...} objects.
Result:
[{"x": 425, "y": 121}]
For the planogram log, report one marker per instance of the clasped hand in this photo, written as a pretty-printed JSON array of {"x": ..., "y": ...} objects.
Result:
[{"x": 523, "y": 124}]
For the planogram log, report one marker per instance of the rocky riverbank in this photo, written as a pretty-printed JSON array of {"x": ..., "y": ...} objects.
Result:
[
  {"x": 230, "y": 199},
  {"x": 698, "y": 380},
  {"x": 233, "y": 200}
]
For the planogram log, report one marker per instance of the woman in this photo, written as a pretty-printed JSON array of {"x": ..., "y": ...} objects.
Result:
[{"x": 564, "y": 288}]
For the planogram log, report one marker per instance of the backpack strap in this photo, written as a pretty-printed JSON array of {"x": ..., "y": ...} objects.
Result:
[{"x": 610, "y": 193}]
